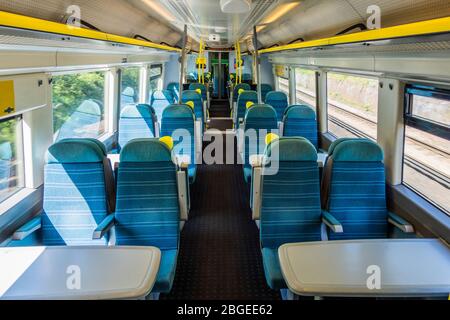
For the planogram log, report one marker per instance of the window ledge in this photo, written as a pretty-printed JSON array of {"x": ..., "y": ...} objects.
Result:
[{"x": 16, "y": 198}]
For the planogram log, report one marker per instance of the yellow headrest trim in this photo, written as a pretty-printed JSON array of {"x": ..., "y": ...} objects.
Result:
[
  {"x": 250, "y": 104},
  {"x": 168, "y": 141},
  {"x": 240, "y": 91},
  {"x": 191, "y": 104},
  {"x": 271, "y": 137},
  {"x": 199, "y": 91}
]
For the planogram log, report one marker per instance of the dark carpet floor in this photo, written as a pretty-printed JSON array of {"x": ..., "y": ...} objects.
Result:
[{"x": 220, "y": 256}]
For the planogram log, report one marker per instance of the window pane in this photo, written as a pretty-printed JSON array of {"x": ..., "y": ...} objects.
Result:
[
  {"x": 306, "y": 87},
  {"x": 155, "y": 81},
  {"x": 352, "y": 106},
  {"x": 129, "y": 86},
  {"x": 11, "y": 160},
  {"x": 437, "y": 110},
  {"x": 283, "y": 85},
  {"x": 426, "y": 167},
  {"x": 78, "y": 105}
]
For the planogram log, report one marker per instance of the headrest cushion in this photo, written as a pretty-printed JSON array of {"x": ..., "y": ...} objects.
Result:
[
  {"x": 292, "y": 149},
  {"x": 361, "y": 150},
  {"x": 76, "y": 151},
  {"x": 145, "y": 150}
]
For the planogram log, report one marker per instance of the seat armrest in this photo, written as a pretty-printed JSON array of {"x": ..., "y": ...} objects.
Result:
[
  {"x": 104, "y": 227},
  {"x": 400, "y": 223},
  {"x": 27, "y": 229},
  {"x": 331, "y": 222},
  {"x": 183, "y": 161},
  {"x": 256, "y": 160}
]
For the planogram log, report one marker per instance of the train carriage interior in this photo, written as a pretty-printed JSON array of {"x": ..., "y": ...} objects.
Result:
[{"x": 225, "y": 150}]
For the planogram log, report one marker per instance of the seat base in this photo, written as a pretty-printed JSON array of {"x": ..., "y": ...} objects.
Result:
[
  {"x": 166, "y": 274},
  {"x": 272, "y": 269}
]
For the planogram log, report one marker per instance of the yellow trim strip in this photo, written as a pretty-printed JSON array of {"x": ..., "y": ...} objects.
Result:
[
  {"x": 441, "y": 25},
  {"x": 23, "y": 22}
]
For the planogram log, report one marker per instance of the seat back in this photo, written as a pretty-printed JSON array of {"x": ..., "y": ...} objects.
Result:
[
  {"x": 265, "y": 89},
  {"x": 78, "y": 192},
  {"x": 290, "y": 210},
  {"x": 279, "y": 101},
  {"x": 161, "y": 100},
  {"x": 238, "y": 87},
  {"x": 147, "y": 211},
  {"x": 180, "y": 117},
  {"x": 354, "y": 189},
  {"x": 136, "y": 121},
  {"x": 260, "y": 119},
  {"x": 174, "y": 87},
  {"x": 202, "y": 87},
  {"x": 243, "y": 99},
  {"x": 301, "y": 121},
  {"x": 196, "y": 98}
]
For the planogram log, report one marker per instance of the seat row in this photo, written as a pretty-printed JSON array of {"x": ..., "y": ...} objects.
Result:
[
  {"x": 291, "y": 205},
  {"x": 82, "y": 205}
]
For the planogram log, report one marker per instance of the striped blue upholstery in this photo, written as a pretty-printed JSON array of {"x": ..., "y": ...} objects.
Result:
[
  {"x": 195, "y": 97},
  {"x": 202, "y": 87},
  {"x": 180, "y": 117},
  {"x": 244, "y": 97},
  {"x": 161, "y": 100},
  {"x": 301, "y": 121},
  {"x": 148, "y": 212},
  {"x": 265, "y": 89},
  {"x": 136, "y": 121},
  {"x": 238, "y": 87},
  {"x": 355, "y": 189},
  {"x": 260, "y": 119},
  {"x": 279, "y": 101},
  {"x": 174, "y": 87},
  {"x": 290, "y": 209},
  {"x": 75, "y": 197}
]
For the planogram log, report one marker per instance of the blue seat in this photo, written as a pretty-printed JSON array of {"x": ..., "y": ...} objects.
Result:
[
  {"x": 174, "y": 87},
  {"x": 161, "y": 100},
  {"x": 178, "y": 122},
  {"x": 279, "y": 101},
  {"x": 136, "y": 121},
  {"x": 202, "y": 87},
  {"x": 290, "y": 202},
  {"x": 265, "y": 89},
  {"x": 147, "y": 211},
  {"x": 301, "y": 121},
  {"x": 260, "y": 120},
  {"x": 196, "y": 98},
  {"x": 243, "y": 99},
  {"x": 78, "y": 195},
  {"x": 354, "y": 190},
  {"x": 238, "y": 87}
]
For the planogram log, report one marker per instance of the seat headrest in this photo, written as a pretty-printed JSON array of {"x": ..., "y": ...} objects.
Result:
[
  {"x": 292, "y": 149},
  {"x": 76, "y": 151},
  {"x": 248, "y": 96},
  {"x": 137, "y": 111},
  {"x": 195, "y": 86},
  {"x": 89, "y": 107},
  {"x": 336, "y": 143},
  {"x": 300, "y": 112},
  {"x": 163, "y": 95},
  {"x": 266, "y": 86},
  {"x": 191, "y": 95},
  {"x": 276, "y": 96},
  {"x": 145, "y": 150},
  {"x": 178, "y": 111},
  {"x": 357, "y": 150},
  {"x": 261, "y": 111},
  {"x": 240, "y": 86}
]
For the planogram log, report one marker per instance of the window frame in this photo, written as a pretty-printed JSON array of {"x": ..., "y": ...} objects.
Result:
[
  {"x": 316, "y": 81},
  {"x": 159, "y": 77},
  {"x": 422, "y": 124},
  {"x": 20, "y": 155}
]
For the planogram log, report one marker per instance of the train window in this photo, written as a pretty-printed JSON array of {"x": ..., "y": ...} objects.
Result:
[
  {"x": 78, "y": 105},
  {"x": 155, "y": 80},
  {"x": 352, "y": 106},
  {"x": 426, "y": 164},
  {"x": 129, "y": 87},
  {"x": 306, "y": 87},
  {"x": 283, "y": 85},
  {"x": 11, "y": 157}
]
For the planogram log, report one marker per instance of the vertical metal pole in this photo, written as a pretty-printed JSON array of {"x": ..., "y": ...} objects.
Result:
[
  {"x": 258, "y": 64},
  {"x": 183, "y": 62}
]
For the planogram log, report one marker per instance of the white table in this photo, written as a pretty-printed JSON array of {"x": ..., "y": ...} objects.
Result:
[
  {"x": 409, "y": 268},
  {"x": 77, "y": 273},
  {"x": 257, "y": 159}
]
